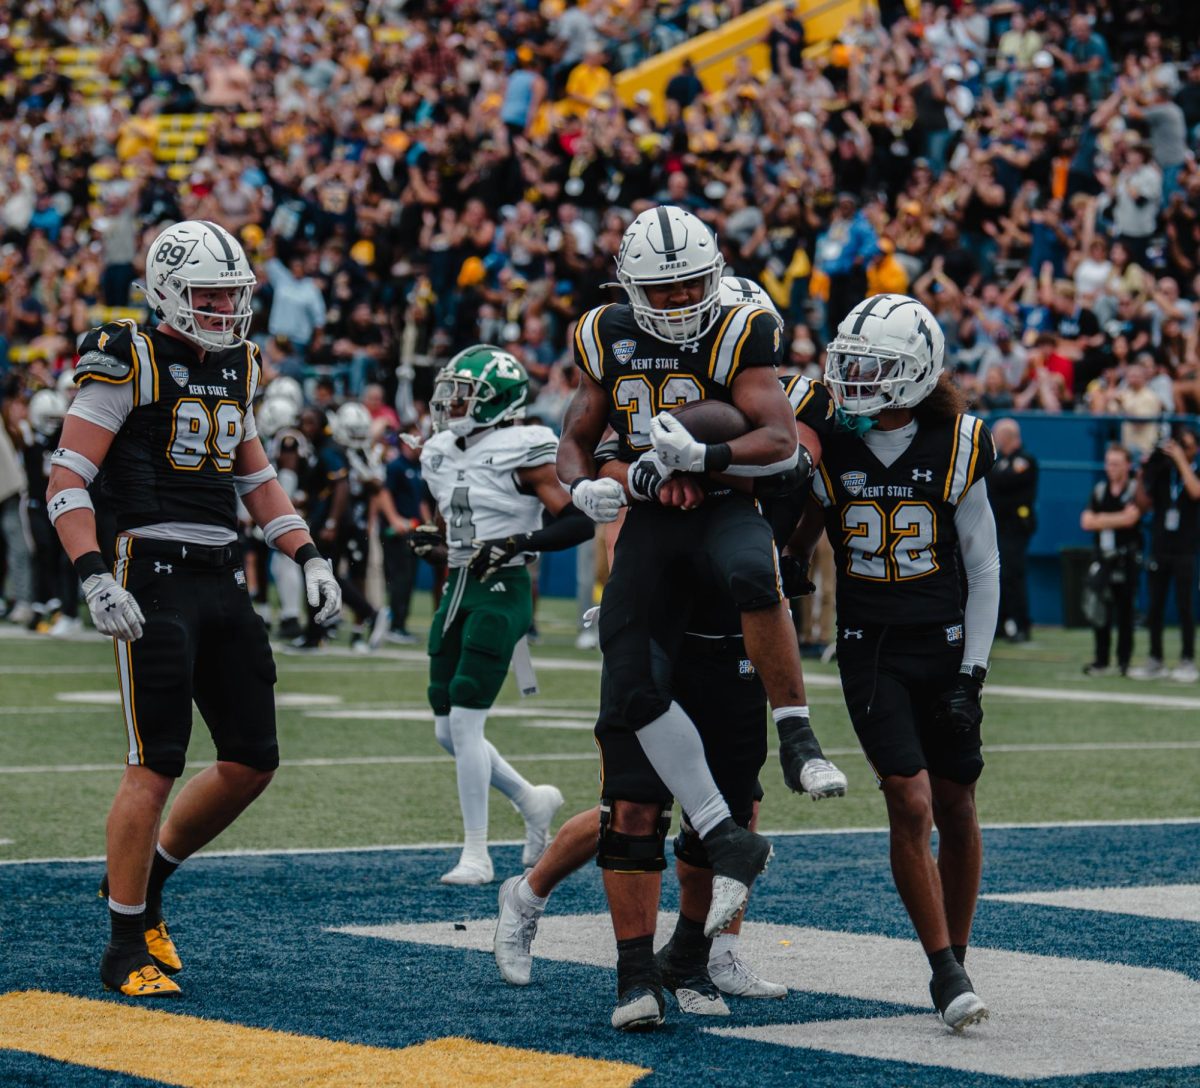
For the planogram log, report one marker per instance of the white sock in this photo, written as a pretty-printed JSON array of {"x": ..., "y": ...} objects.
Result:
[
  {"x": 288, "y": 583},
  {"x": 722, "y": 943},
  {"x": 789, "y": 712},
  {"x": 676, "y": 753},
  {"x": 475, "y": 843},
  {"x": 527, "y": 899},
  {"x": 167, "y": 857},
  {"x": 124, "y": 908},
  {"x": 441, "y": 732},
  {"x": 473, "y": 766},
  {"x": 505, "y": 777}
]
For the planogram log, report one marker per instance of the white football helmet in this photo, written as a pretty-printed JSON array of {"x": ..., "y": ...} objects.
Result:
[
  {"x": 737, "y": 291},
  {"x": 351, "y": 426},
  {"x": 286, "y": 389},
  {"x": 887, "y": 354},
  {"x": 66, "y": 384},
  {"x": 669, "y": 245},
  {"x": 47, "y": 410},
  {"x": 199, "y": 254},
  {"x": 276, "y": 414}
]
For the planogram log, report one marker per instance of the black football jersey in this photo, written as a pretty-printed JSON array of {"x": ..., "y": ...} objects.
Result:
[
  {"x": 644, "y": 375},
  {"x": 172, "y": 459},
  {"x": 892, "y": 527}
]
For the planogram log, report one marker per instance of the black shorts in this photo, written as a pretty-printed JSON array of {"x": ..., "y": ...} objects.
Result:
[
  {"x": 202, "y": 641},
  {"x": 659, "y": 544},
  {"x": 718, "y": 689},
  {"x": 892, "y": 678}
]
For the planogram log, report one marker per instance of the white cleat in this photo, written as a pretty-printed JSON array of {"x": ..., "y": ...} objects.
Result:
[
  {"x": 538, "y": 811},
  {"x": 698, "y": 1003},
  {"x": 731, "y": 976},
  {"x": 66, "y": 627},
  {"x": 515, "y": 929},
  {"x": 728, "y": 897},
  {"x": 820, "y": 778},
  {"x": 641, "y": 1009},
  {"x": 1183, "y": 673},
  {"x": 473, "y": 870},
  {"x": 965, "y": 1010}
]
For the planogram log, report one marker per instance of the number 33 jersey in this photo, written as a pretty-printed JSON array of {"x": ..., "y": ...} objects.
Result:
[
  {"x": 177, "y": 421},
  {"x": 892, "y": 526},
  {"x": 644, "y": 375},
  {"x": 474, "y": 483}
]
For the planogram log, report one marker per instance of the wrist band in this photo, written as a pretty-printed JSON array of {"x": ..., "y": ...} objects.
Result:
[
  {"x": 88, "y": 564},
  {"x": 717, "y": 457},
  {"x": 576, "y": 482},
  {"x": 306, "y": 552}
]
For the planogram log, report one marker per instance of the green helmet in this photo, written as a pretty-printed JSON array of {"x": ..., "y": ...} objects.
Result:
[{"x": 488, "y": 381}]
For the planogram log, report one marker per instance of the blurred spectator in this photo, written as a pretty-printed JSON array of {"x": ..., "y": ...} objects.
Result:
[
  {"x": 843, "y": 252},
  {"x": 1012, "y": 490},
  {"x": 297, "y": 304},
  {"x": 18, "y": 583}
]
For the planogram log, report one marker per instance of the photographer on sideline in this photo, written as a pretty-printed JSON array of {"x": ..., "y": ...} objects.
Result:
[
  {"x": 1113, "y": 515},
  {"x": 1169, "y": 487}
]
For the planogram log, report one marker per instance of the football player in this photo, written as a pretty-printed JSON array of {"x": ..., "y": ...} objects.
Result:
[
  {"x": 900, "y": 487},
  {"x": 164, "y": 417},
  {"x": 672, "y": 343},
  {"x": 492, "y": 481},
  {"x": 290, "y": 453}
]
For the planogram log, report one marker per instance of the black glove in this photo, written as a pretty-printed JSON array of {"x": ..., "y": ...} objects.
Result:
[
  {"x": 490, "y": 555},
  {"x": 960, "y": 707},
  {"x": 794, "y": 574},
  {"x": 424, "y": 539}
]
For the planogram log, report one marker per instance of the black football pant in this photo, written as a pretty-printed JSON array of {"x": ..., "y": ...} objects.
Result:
[
  {"x": 1014, "y": 584},
  {"x": 1162, "y": 573},
  {"x": 1120, "y": 612}
]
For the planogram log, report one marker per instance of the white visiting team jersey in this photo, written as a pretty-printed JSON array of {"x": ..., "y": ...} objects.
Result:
[{"x": 476, "y": 488}]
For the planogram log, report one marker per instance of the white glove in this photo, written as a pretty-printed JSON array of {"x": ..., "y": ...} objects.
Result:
[
  {"x": 601, "y": 500},
  {"x": 677, "y": 449},
  {"x": 114, "y": 610},
  {"x": 646, "y": 476},
  {"x": 322, "y": 589}
]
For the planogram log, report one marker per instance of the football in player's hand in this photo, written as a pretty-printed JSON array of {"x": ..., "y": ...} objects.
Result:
[{"x": 710, "y": 421}]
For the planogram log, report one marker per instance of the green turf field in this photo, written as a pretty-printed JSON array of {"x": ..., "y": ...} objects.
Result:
[{"x": 361, "y": 766}]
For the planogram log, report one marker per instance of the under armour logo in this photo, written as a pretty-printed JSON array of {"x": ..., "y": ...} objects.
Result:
[
  {"x": 693, "y": 347},
  {"x": 925, "y": 474},
  {"x": 58, "y": 503},
  {"x": 229, "y": 375},
  {"x": 848, "y": 633},
  {"x": 162, "y": 568}
]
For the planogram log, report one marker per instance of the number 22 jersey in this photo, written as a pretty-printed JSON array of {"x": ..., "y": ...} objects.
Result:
[{"x": 892, "y": 526}]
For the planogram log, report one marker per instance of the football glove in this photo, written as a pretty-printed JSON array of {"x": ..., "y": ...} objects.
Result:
[
  {"x": 677, "y": 450},
  {"x": 793, "y": 573},
  {"x": 490, "y": 555},
  {"x": 960, "y": 707},
  {"x": 646, "y": 476},
  {"x": 322, "y": 590},
  {"x": 424, "y": 538},
  {"x": 114, "y": 610},
  {"x": 601, "y": 500}
]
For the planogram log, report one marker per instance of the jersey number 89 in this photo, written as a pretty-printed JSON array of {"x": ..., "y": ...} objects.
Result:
[
  {"x": 197, "y": 433},
  {"x": 895, "y": 548}
]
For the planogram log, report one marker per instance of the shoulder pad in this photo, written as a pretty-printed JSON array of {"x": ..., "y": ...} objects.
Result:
[
  {"x": 114, "y": 338},
  {"x": 539, "y": 446},
  {"x": 102, "y": 367}
]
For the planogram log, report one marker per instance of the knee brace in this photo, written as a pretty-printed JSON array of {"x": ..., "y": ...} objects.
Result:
[
  {"x": 621, "y": 853},
  {"x": 689, "y": 848}
]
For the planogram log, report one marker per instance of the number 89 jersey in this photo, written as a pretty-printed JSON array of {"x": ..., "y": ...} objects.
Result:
[
  {"x": 171, "y": 460},
  {"x": 474, "y": 483},
  {"x": 892, "y": 526},
  {"x": 644, "y": 375}
]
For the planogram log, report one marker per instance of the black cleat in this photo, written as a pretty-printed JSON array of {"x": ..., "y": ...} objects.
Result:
[
  {"x": 694, "y": 990},
  {"x": 639, "y": 1008},
  {"x": 955, "y": 999},
  {"x": 737, "y": 856},
  {"x": 130, "y": 971}
]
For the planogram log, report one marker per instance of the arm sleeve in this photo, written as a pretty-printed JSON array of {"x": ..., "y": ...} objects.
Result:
[
  {"x": 571, "y": 527},
  {"x": 981, "y": 560},
  {"x": 106, "y": 404}
]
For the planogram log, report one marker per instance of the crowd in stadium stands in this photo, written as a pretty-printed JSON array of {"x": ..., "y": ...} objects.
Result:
[{"x": 412, "y": 178}]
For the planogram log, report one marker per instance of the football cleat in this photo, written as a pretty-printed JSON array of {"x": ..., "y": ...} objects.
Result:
[
  {"x": 1183, "y": 673},
  {"x": 955, "y": 999},
  {"x": 129, "y": 971},
  {"x": 515, "y": 929},
  {"x": 737, "y": 856},
  {"x": 640, "y": 1008},
  {"x": 820, "y": 779},
  {"x": 162, "y": 950},
  {"x": 731, "y": 976},
  {"x": 691, "y": 985},
  {"x": 538, "y": 809},
  {"x": 1154, "y": 669},
  {"x": 470, "y": 870}
]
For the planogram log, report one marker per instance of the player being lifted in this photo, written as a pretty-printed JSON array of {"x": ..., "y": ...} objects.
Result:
[
  {"x": 492, "y": 479},
  {"x": 673, "y": 343},
  {"x": 901, "y": 488},
  {"x": 164, "y": 417}
]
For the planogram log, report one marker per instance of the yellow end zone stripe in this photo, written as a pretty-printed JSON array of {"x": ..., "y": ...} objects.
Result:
[{"x": 214, "y": 1054}]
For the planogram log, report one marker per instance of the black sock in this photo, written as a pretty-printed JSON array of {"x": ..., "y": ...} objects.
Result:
[
  {"x": 160, "y": 869},
  {"x": 635, "y": 961},
  {"x": 960, "y": 953},
  {"x": 127, "y": 929},
  {"x": 688, "y": 945},
  {"x": 942, "y": 959}
]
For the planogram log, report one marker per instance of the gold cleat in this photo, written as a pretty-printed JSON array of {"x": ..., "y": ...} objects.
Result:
[
  {"x": 147, "y": 981},
  {"x": 162, "y": 949}
]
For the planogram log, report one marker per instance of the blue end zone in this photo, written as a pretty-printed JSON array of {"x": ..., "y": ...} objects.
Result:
[{"x": 252, "y": 935}]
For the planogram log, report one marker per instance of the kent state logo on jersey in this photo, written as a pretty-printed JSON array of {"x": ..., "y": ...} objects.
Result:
[
  {"x": 623, "y": 350},
  {"x": 854, "y": 482},
  {"x": 954, "y": 634}
]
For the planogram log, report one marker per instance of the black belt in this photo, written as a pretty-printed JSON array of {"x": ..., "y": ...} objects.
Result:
[
  {"x": 716, "y": 644},
  {"x": 200, "y": 555}
]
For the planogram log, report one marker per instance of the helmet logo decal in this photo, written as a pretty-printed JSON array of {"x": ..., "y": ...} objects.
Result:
[
  {"x": 923, "y": 329},
  {"x": 175, "y": 251},
  {"x": 227, "y": 255}
]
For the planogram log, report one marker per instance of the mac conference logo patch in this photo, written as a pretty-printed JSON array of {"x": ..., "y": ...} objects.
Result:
[
  {"x": 623, "y": 350},
  {"x": 179, "y": 372},
  {"x": 854, "y": 482}
]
